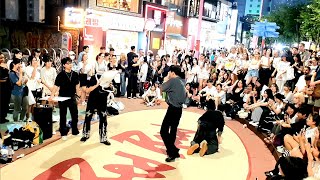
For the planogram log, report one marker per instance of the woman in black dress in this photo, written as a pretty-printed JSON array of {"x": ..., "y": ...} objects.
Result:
[{"x": 5, "y": 89}]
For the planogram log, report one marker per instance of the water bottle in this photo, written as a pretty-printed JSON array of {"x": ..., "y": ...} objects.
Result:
[{"x": 10, "y": 153}]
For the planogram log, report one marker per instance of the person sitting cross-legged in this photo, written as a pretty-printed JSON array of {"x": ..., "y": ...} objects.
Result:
[{"x": 206, "y": 134}]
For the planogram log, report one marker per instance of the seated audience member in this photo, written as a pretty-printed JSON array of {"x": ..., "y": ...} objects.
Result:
[
  {"x": 313, "y": 156},
  {"x": 189, "y": 100},
  {"x": 205, "y": 94},
  {"x": 259, "y": 107},
  {"x": 289, "y": 168},
  {"x": 293, "y": 143},
  {"x": 289, "y": 112},
  {"x": 150, "y": 96},
  {"x": 288, "y": 95},
  {"x": 210, "y": 124},
  {"x": 219, "y": 96}
]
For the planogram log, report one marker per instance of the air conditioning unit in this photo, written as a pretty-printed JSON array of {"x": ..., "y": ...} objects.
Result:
[
  {"x": 12, "y": 9},
  {"x": 35, "y": 11}
]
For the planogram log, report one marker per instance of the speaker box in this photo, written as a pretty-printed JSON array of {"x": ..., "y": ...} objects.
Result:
[{"x": 43, "y": 117}]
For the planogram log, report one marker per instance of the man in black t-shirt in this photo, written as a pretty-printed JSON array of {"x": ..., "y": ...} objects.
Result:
[
  {"x": 97, "y": 102},
  {"x": 133, "y": 67},
  {"x": 67, "y": 82}
]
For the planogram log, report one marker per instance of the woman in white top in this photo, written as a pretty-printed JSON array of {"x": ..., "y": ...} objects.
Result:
[
  {"x": 219, "y": 96},
  {"x": 221, "y": 60},
  {"x": 253, "y": 69},
  {"x": 281, "y": 69},
  {"x": 48, "y": 76},
  {"x": 265, "y": 71},
  {"x": 203, "y": 75},
  {"x": 100, "y": 65},
  {"x": 85, "y": 72},
  {"x": 34, "y": 80}
]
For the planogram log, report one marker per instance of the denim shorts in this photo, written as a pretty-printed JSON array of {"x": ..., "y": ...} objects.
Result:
[{"x": 253, "y": 73}]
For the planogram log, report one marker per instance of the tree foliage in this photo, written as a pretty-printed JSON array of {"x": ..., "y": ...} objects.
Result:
[
  {"x": 288, "y": 19},
  {"x": 310, "y": 21}
]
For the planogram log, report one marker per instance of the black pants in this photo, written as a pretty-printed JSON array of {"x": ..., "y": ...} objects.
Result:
[
  {"x": 102, "y": 123},
  {"x": 169, "y": 128},
  {"x": 264, "y": 76},
  {"x": 5, "y": 95},
  {"x": 73, "y": 108},
  {"x": 132, "y": 85}
]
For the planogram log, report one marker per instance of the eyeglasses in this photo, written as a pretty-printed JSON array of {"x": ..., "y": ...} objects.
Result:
[{"x": 72, "y": 55}]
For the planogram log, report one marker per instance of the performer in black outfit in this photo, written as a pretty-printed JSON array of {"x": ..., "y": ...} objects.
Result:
[
  {"x": 67, "y": 81},
  {"x": 209, "y": 124},
  {"x": 133, "y": 68},
  {"x": 176, "y": 95},
  {"x": 5, "y": 89},
  {"x": 97, "y": 102}
]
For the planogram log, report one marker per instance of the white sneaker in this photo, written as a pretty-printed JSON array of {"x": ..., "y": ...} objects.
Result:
[
  {"x": 280, "y": 149},
  {"x": 64, "y": 138},
  {"x": 184, "y": 106}
]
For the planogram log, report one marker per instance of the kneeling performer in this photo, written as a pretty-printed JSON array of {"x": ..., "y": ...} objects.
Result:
[{"x": 210, "y": 124}]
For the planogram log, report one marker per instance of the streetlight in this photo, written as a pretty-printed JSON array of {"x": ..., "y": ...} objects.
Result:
[{"x": 149, "y": 25}]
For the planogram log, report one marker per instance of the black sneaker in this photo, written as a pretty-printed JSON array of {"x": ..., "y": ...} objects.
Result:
[
  {"x": 170, "y": 159},
  {"x": 84, "y": 139},
  {"x": 75, "y": 133},
  {"x": 106, "y": 143}
]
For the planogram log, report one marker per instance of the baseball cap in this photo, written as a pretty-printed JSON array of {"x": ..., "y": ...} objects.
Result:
[{"x": 38, "y": 50}]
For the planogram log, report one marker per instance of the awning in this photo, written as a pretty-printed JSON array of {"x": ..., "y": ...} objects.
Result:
[{"x": 175, "y": 36}]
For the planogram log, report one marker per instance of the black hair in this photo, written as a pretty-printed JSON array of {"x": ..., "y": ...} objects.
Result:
[
  {"x": 132, "y": 47},
  {"x": 134, "y": 56},
  {"x": 279, "y": 96},
  {"x": 85, "y": 47},
  {"x": 316, "y": 119},
  {"x": 307, "y": 77},
  {"x": 175, "y": 69},
  {"x": 293, "y": 168},
  {"x": 65, "y": 60},
  {"x": 305, "y": 109},
  {"x": 14, "y": 62},
  {"x": 111, "y": 49},
  {"x": 30, "y": 58},
  {"x": 269, "y": 93}
]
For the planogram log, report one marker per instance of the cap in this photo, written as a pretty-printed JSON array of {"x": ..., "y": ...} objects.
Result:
[
  {"x": 38, "y": 50},
  {"x": 71, "y": 53}
]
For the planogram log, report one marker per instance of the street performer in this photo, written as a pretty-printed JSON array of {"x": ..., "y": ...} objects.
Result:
[
  {"x": 176, "y": 95},
  {"x": 99, "y": 90}
]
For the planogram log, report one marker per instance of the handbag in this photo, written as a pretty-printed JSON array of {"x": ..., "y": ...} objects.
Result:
[{"x": 316, "y": 92}]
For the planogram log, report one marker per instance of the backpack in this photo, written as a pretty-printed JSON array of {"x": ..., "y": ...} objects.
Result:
[{"x": 149, "y": 73}]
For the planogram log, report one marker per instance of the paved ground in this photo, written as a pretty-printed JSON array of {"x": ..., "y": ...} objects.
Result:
[{"x": 259, "y": 158}]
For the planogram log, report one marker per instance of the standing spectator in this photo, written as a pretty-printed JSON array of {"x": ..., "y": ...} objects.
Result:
[
  {"x": 48, "y": 76},
  {"x": 131, "y": 53},
  {"x": 5, "y": 89},
  {"x": 67, "y": 82},
  {"x": 133, "y": 68},
  {"x": 143, "y": 75},
  {"x": 85, "y": 50},
  {"x": 20, "y": 91},
  {"x": 122, "y": 67},
  {"x": 85, "y": 71}
]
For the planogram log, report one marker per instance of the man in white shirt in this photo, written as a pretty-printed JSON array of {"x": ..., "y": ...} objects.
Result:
[
  {"x": 301, "y": 84},
  {"x": 205, "y": 94},
  {"x": 143, "y": 75}
]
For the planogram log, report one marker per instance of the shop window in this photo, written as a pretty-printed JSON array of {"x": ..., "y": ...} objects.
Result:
[
  {"x": 258, "y": 5},
  {"x": 250, "y": 5},
  {"x": 125, "y": 5},
  {"x": 250, "y": 11},
  {"x": 258, "y": 11}
]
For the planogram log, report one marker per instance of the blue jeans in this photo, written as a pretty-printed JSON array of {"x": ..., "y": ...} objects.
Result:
[
  {"x": 20, "y": 107},
  {"x": 123, "y": 84}
]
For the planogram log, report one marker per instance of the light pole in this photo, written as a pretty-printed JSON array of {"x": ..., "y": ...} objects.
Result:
[{"x": 149, "y": 25}]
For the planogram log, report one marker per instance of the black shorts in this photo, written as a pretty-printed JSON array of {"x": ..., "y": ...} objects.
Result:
[{"x": 83, "y": 80}]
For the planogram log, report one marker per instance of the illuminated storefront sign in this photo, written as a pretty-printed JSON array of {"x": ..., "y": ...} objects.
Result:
[{"x": 73, "y": 17}]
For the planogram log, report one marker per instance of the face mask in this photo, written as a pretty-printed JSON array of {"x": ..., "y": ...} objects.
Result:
[{"x": 72, "y": 57}]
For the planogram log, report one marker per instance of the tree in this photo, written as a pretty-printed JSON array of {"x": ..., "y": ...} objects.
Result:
[
  {"x": 288, "y": 19},
  {"x": 310, "y": 21}
]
